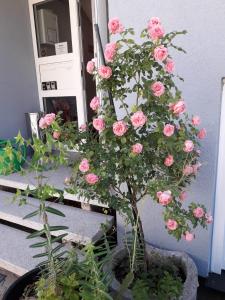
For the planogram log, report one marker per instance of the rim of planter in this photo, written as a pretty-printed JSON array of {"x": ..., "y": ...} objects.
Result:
[
  {"x": 188, "y": 266},
  {"x": 16, "y": 289}
]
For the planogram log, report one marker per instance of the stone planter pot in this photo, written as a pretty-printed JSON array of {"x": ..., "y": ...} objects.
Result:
[{"x": 180, "y": 258}]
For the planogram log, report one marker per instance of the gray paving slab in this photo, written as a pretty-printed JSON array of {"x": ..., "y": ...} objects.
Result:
[
  {"x": 84, "y": 225},
  {"x": 54, "y": 177}
]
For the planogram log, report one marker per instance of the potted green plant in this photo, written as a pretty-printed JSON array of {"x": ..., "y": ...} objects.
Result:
[
  {"x": 150, "y": 150},
  {"x": 65, "y": 272}
]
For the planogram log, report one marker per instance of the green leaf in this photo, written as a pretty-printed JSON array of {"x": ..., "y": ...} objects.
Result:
[
  {"x": 35, "y": 213},
  {"x": 56, "y": 228},
  {"x": 40, "y": 244},
  {"x": 41, "y": 255},
  {"x": 36, "y": 234},
  {"x": 54, "y": 211}
]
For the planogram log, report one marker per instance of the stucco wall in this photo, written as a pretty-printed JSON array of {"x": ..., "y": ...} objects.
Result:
[
  {"x": 202, "y": 68},
  {"x": 18, "y": 88}
]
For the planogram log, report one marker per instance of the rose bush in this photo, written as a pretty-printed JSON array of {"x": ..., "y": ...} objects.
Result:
[{"x": 152, "y": 147}]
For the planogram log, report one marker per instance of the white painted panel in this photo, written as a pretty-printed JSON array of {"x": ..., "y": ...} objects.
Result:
[
  {"x": 63, "y": 73},
  {"x": 218, "y": 249}
]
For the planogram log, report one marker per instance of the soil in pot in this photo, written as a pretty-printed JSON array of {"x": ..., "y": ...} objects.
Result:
[{"x": 163, "y": 281}]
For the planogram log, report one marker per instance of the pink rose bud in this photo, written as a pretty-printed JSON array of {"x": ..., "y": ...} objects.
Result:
[
  {"x": 179, "y": 107},
  {"x": 198, "y": 212},
  {"x": 42, "y": 123},
  {"x": 183, "y": 196},
  {"x": 138, "y": 119},
  {"x": 120, "y": 128},
  {"x": 168, "y": 130},
  {"x": 169, "y": 66},
  {"x": 156, "y": 32},
  {"x": 105, "y": 72},
  {"x": 95, "y": 103},
  {"x": 160, "y": 53},
  {"x": 196, "y": 120},
  {"x": 202, "y": 133},
  {"x": 49, "y": 119},
  {"x": 56, "y": 135},
  {"x": 171, "y": 224},
  {"x": 188, "y": 236},
  {"x": 99, "y": 124},
  {"x": 90, "y": 67},
  {"x": 83, "y": 127},
  {"x": 169, "y": 161},
  {"x": 164, "y": 197},
  {"x": 154, "y": 21},
  {"x": 188, "y": 146},
  {"x": 91, "y": 178},
  {"x": 158, "y": 88},
  {"x": 209, "y": 218},
  {"x": 137, "y": 148},
  {"x": 110, "y": 52},
  {"x": 188, "y": 170},
  {"x": 84, "y": 165},
  {"x": 115, "y": 26}
]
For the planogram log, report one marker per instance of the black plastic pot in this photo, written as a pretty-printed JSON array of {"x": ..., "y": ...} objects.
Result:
[{"x": 16, "y": 290}]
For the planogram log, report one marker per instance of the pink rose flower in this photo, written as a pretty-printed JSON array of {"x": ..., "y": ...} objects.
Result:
[
  {"x": 160, "y": 53},
  {"x": 188, "y": 236},
  {"x": 110, "y": 52},
  {"x": 168, "y": 130},
  {"x": 83, "y": 127},
  {"x": 119, "y": 128},
  {"x": 183, "y": 196},
  {"x": 188, "y": 146},
  {"x": 42, "y": 123},
  {"x": 115, "y": 26},
  {"x": 137, "y": 148},
  {"x": 188, "y": 170},
  {"x": 198, "y": 212},
  {"x": 169, "y": 66},
  {"x": 56, "y": 135},
  {"x": 105, "y": 72},
  {"x": 158, "y": 88},
  {"x": 49, "y": 119},
  {"x": 90, "y": 67},
  {"x": 91, "y": 178},
  {"x": 95, "y": 103},
  {"x": 164, "y": 197},
  {"x": 178, "y": 108},
  {"x": 138, "y": 119},
  {"x": 202, "y": 133},
  {"x": 169, "y": 161},
  {"x": 209, "y": 218},
  {"x": 154, "y": 21},
  {"x": 196, "y": 120},
  {"x": 84, "y": 165},
  {"x": 156, "y": 32},
  {"x": 196, "y": 167},
  {"x": 171, "y": 224},
  {"x": 99, "y": 124}
]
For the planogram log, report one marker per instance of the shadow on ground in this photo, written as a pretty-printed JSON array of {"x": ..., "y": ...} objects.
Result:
[{"x": 205, "y": 293}]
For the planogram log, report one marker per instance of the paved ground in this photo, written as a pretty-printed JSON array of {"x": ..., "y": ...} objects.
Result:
[{"x": 6, "y": 279}]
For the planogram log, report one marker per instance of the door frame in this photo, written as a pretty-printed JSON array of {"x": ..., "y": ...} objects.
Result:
[
  {"x": 75, "y": 56},
  {"x": 218, "y": 239}
]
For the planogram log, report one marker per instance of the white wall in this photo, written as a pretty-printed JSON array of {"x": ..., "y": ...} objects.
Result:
[
  {"x": 18, "y": 88},
  {"x": 202, "y": 68}
]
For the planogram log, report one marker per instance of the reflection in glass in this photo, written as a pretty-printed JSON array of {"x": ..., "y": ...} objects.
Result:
[{"x": 53, "y": 30}]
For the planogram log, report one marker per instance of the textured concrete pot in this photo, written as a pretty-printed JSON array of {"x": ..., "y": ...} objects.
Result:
[{"x": 180, "y": 258}]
